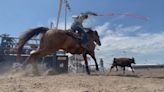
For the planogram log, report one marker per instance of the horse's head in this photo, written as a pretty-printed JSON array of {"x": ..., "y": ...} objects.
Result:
[{"x": 95, "y": 37}]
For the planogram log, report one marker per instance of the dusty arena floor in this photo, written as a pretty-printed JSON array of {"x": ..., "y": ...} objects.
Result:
[{"x": 151, "y": 80}]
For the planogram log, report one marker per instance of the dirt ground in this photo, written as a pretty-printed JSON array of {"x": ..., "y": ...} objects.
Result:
[{"x": 149, "y": 80}]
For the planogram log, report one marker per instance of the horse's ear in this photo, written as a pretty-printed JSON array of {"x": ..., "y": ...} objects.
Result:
[{"x": 96, "y": 31}]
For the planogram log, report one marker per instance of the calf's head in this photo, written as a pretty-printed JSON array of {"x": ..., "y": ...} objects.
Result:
[{"x": 133, "y": 60}]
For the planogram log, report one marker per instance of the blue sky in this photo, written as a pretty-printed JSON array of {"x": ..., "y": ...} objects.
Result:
[{"x": 120, "y": 35}]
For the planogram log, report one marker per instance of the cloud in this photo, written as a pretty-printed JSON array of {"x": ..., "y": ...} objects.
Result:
[
  {"x": 120, "y": 29},
  {"x": 140, "y": 43},
  {"x": 118, "y": 40}
]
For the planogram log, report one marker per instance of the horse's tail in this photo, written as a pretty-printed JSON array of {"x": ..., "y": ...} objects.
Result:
[{"x": 27, "y": 36}]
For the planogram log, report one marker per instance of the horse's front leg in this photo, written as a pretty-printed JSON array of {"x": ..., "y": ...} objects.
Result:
[
  {"x": 26, "y": 62},
  {"x": 124, "y": 70},
  {"x": 86, "y": 63},
  {"x": 94, "y": 58}
]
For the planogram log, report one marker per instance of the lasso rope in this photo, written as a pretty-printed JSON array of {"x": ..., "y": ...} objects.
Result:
[{"x": 125, "y": 14}]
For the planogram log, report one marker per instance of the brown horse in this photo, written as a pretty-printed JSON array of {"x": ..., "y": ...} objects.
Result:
[{"x": 55, "y": 39}]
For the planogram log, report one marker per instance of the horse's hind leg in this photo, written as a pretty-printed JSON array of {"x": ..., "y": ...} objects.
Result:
[
  {"x": 35, "y": 56},
  {"x": 25, "y": 63},
  {"x": 33, "y": 60},
  {"x": 35, "y": 68}
]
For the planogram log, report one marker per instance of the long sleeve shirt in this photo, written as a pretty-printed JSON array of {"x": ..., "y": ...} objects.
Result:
[{"x": 78, "y": 21}]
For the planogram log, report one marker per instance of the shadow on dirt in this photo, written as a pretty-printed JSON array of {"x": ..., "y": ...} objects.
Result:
[
  {"x": 156, "y": 77},
  {"x": 125, "y": 75}
]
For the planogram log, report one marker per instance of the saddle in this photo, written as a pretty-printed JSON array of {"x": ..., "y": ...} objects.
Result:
[{"x": 74, "y": 35}]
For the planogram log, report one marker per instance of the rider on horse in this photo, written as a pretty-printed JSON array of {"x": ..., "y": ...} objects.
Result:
[{"x": 78, "y": 26}]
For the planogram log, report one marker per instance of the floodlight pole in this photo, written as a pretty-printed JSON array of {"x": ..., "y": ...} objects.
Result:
[
  {"x": 65, "y": 15},
  {"x": 59, "y": 11}
]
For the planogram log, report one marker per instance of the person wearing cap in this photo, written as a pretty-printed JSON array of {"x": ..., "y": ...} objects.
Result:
[{"x": 78, "y": 26}]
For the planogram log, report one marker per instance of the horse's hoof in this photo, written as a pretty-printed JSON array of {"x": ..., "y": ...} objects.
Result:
[
  {"x": 97, "y": 69},
  {"x": 88, "y": 73},
  {"x": 36, "y": 74}
]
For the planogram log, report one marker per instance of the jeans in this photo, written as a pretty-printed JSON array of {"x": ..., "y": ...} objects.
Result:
[{"x": 84, "y": 35}]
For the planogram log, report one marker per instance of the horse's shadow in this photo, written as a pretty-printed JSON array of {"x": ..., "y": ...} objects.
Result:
[
  {"x": 156, "y": 77},
  {"x": 120, "y": 75},
  {"x": 125, "y": 75}
]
